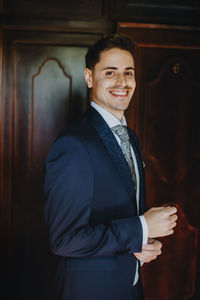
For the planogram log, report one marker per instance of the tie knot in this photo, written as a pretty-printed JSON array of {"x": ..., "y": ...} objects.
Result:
[{"x": 121, "y": 131}]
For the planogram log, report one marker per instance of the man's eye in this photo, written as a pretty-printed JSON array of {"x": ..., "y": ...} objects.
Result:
[
  {"x": 129, "y": 74},
  {"x": 109, "y": 73}
]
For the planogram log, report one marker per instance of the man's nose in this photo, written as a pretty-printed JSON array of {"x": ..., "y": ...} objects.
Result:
[{"x": 121, "y": 79}]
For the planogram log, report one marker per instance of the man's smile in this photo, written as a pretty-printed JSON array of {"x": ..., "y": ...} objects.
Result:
[{"x": 117, "y": 93}]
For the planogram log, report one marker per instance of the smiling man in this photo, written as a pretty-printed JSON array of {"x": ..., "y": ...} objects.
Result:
[
  {"x": 95, "y": 191},
  {"x": 112, "y": 81}
]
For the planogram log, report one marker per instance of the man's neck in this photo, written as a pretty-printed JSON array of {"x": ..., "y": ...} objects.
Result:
[
  {"x": 117, "y": 114},
  {"x": 110, "y": 118}
]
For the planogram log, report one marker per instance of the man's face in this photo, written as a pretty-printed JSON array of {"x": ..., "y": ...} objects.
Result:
[{"x": 112, "y": 81}]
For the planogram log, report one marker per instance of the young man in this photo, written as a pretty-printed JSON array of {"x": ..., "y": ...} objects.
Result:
[{"x": 95, "y": 191}]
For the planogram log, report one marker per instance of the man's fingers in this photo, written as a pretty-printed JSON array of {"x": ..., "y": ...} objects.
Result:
[
  {"x": 171, "y": 231},
  {"x": 161, "y": 221},
  {"x": 171, "y": 210},
  {"x": 173, "y": 218},
  {"x": 152, "y": 245},
  {"x": 151, "y": 252},
  {"x": 147, "y": 256},
  {"x": 172, "y": 225},
  {"x": 148, "y": 247},
  {"x": 142, "y": 258}
]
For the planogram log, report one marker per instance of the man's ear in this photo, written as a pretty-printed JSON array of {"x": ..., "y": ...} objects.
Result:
[{"x": 88, "y": 77}]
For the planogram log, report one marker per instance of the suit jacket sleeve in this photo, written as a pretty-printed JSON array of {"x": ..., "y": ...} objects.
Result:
[{"x": 69, "y": 193}]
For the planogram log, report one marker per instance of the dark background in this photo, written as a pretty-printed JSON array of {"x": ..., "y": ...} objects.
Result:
[{"x": 43, "y": 44}]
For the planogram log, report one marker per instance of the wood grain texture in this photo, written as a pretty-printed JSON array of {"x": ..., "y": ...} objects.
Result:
[
  {"x": 165, "y": 115},
  {"x": 44, "y": 90},
  {"x": 178, "y": 264}
]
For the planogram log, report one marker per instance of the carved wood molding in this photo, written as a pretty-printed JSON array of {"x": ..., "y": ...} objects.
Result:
[
  {"x": 66, "y": 26},
  {"x": 173, "y": 70},
  {"x": 34, "y": 161},
  {"x": 132, "y": 25}
]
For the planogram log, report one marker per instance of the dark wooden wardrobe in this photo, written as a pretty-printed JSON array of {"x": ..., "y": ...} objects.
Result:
[{"x": 42, "y": 49}]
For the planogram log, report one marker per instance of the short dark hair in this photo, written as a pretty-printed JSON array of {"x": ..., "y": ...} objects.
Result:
[{"x": 120, "y": 41}]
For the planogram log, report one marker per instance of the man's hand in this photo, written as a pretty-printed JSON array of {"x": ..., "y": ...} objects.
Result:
[
  {"x": 161, "y": 221},
  {"x": 149, "y": 251}
]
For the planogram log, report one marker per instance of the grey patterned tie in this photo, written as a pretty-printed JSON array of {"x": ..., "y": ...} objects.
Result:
[{"x": 122, "y": 133}]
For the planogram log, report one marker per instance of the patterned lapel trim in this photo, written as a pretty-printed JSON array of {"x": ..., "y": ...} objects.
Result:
[{"x": 112, "y": 148}]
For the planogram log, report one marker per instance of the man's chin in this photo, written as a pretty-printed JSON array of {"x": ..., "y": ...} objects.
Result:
[{"x": 123, "y": 105}]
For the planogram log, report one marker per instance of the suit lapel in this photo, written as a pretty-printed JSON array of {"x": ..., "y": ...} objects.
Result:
[
  {"x": 112, "y": 148},
  {"x": 136, "y": 149}
]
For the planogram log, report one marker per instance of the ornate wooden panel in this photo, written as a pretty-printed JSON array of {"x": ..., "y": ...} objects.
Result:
[
  {"x": 51, "y": 91},
  {"x": 178, "y": 88},
  {"x": 165, "y": 115},
  {"x": 43, "y": 85}
]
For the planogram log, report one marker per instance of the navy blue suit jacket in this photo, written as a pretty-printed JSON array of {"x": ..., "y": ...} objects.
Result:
[{"x": 90, "y": 212}]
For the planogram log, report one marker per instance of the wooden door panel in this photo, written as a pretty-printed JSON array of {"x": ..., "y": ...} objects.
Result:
[
  {"x": 170, "y": 121},
  {"x": 171, "y": 151},
  {"x": 43, "y": 81},
  {"x": 165, "y": 115},
  {"x": 44, "y": 90}
]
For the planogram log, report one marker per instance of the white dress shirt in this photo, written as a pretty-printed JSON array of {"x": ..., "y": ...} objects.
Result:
[{"x": 112, "y": 121}]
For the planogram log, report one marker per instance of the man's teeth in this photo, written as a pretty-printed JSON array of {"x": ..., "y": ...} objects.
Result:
[{"x": 119, "y": 93}]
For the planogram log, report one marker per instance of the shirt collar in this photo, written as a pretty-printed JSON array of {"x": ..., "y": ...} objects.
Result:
[{"x": 109, "y": 118}]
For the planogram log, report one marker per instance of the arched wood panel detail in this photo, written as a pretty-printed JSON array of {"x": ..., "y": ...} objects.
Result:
[
  {"x": 51, "y": 93},
  {"x": 170, "y": 99}
]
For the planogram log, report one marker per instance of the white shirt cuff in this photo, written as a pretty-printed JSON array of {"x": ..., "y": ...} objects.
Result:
[
  {"x": 145, "y": 229},
  {"x": 145, "y": 232}
]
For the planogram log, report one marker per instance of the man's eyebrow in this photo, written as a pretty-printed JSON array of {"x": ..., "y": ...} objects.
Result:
[
  {"x": 114, "y": 68},
  {"x": 130, "y": 68},
  {"x": 109, "y": 68}
]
